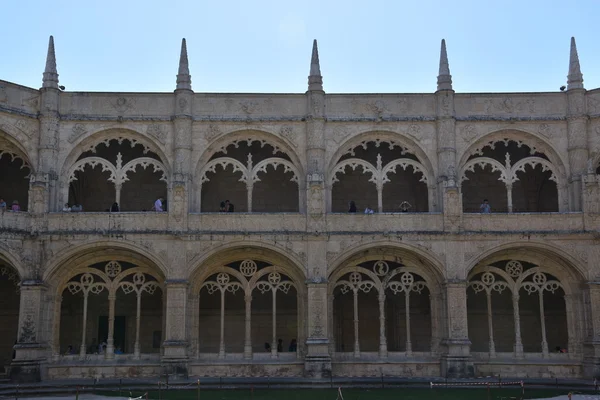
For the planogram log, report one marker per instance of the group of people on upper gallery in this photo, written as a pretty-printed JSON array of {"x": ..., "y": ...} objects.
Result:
[
  {"x": 405, "y": 206},
  {"x": 14, "y": 206}
]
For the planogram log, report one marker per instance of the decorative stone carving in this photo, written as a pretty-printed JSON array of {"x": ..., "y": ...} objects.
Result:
[
  {"x": 288, "y": 133},
  {"x": 27, "y": 334},
  {"x": 545, "y": 130},
  {"x": 249, "y": 107},
  {"x": 77, "y": 131},
  {"x": 182, "y": 103},
  {"x": 158, "y": 132},
  {"x": 28, "y": 128},
  {"x": 469, "y": 133},
  {"x": 212, "y": 132},
  {"x": 123, "y": 104}
]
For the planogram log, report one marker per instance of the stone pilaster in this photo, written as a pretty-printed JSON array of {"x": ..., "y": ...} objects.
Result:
[
  {"x": 317, "y": 361},
  {"x": 175, "y": 358},
  {"x": 179, "y": 189},
  {"x": 577, "y": 146},
  {"x": 591, "y": 200},
  {"x": 591, "y": 362},
  {"x": 452, "y": 202},
  {"x": 456, "y": 362},
  {"x": 27, "y": 365}
]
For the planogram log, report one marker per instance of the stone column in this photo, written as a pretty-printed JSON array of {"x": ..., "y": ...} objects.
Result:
[
  {"x": 591, "y": 361},
  {"x": 248, "y": 327},
  {"x": 175, "y": 358},
  {"x": 456, "y": 362},
  {"x": 27, "y": 365},
  {"x": 315, "y": 150},
  {"x": 517, "y": 319},
  {"x": 110, "y": 342},
  {"x": 591, "y": 199},
  {"x": 382, "y": 337}
]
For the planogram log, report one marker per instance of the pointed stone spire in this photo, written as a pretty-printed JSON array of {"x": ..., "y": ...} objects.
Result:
[
  {"x": 184, "y": 79},
  {"x": 315, "y": 80},
  {"x": 444, "y": 80},
  {"x": 50, "y": 77},
  {"x": 575, "y": 78}
]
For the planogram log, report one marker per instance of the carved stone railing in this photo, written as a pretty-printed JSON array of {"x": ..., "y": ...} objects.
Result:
[
  {"x": 524, "y": 222},
  {"x": 247, "y": 222},
  {"x": 152, "y": 222},
  {"x": 14, "y": 221},
  {"x": 393, "y": 222},
  {"x": 105, "y": 222}
]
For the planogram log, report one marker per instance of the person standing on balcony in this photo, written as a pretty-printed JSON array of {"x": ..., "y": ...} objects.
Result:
[
  {"x": 229, "y": 207},
  {"x": 2, "y": 205},
  {"x": 485, "y": 208},
  {"x": 369, "y": 210},
  {"x": 66, "y": 208},
  {"x": 114, "y": 207},
  {"x": 351, "y": 206},
  {"x": 158, "y": 205},
  {"x": 15, "y": 206}
]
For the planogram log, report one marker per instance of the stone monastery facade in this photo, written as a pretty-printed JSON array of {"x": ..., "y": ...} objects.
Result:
[{"x": 291, "y": 283}]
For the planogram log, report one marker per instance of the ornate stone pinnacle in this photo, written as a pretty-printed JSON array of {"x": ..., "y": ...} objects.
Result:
[
  {"x": 575, "y": 78},
  {"x": 444, "y": 80},
  {"x": 315, "y": 80},
  {"x": 184, "y": 79},
  {"x": 50, "y": 77}
]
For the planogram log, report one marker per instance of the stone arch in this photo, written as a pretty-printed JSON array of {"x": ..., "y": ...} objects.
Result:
[
  {"x": 388, "y": 250},
  {"x": 71, "y": 163},
  {"x": 402, "y": 280},
  {"x": 204, "y": 263},
  {"x": 79, "y": 255},
  {"x": 255, "y": 293},
  {"x": 17, "y": 170},
  {"x": 14, "y": 143},
  {"x": 10, "y": 259},
  {"x": 239, "y": 192},
  {"x": 531, "y": 139},
  {"x": 542, "y": 187},
  {"x": 507, "y": 276},
  {"x": 242, "y": 135},
  {"x": 110, "y": 275},
  {"x": 381, "y": 135},
  {"x": 562, "y": 264},
  {"x": 414, "y": 179}
]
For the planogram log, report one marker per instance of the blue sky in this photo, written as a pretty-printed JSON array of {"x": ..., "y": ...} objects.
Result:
[{"x": 264, "y": 46}]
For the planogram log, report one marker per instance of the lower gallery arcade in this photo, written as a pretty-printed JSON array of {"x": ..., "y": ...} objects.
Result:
[{"x": 247, "y": 312}]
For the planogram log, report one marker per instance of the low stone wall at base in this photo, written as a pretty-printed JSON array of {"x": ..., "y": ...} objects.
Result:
[
  {"x": 104, "y": 371},
  {"x": 287, "y": 370},
  {"x": 404, "y": 369},
  {"x": 515, "y": 369}
]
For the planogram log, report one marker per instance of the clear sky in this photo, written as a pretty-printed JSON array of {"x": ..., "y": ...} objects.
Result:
[{"x": 366, "y": 46}]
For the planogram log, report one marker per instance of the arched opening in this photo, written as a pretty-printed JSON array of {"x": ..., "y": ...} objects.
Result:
[
  {"x": 253, "y": 175},
  {"x": 383, "y": 304},
  {"x": 110, "y": 309},
  {"x": 516, "y": 307},
  {"x": 248, "y": 309},
  {"x": 512, "y": 176},
  {"x": 119, "y": 171},
  {"x": 381, "y": 175},
  {"x": 14, "y": 179},
  {"x": 9, "y": 313}
]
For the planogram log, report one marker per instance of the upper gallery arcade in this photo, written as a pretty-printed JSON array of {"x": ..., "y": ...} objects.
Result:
[{"x": 293, "y": 282}]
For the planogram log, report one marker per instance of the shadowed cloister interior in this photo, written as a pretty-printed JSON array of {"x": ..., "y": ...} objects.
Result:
[
  {"x": 9, "y": 313},
  {"x": 382, "y": 306},
  {"x": 119, "y": 171},
  {"x": 248, "y": 307},
  {"x": 380, "y": 175},
  {"x": 516, "y": 307},
  {"x": 110, "y": 308},
  {"x": 512, "y": 176}
]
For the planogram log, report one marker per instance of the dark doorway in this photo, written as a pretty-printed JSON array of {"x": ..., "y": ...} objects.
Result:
[{"x": 119, "y": 334}]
